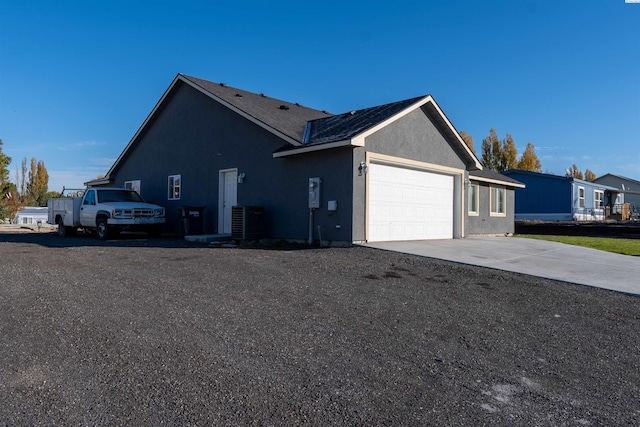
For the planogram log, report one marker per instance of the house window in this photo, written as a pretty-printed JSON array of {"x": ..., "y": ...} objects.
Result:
[
  {"x": 473, "y": 199},
  {"x": 133, "y": 185},
  {"x": 174, "y": 187},
  {"x": 581, "y": 197},
  {"x": 598, "y": 197},
  {"x": 497, "y": 202}
]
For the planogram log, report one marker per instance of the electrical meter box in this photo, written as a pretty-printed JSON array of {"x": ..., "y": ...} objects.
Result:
[{"x": 314, "y": 193}]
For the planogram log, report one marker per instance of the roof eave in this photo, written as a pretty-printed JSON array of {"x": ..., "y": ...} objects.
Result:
[
  {"x": 318, "y": 147},
  {"x": 496, "y": 181}
]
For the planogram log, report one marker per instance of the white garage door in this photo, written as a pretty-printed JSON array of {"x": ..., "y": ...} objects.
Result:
[{"x": 407, "y": 204}]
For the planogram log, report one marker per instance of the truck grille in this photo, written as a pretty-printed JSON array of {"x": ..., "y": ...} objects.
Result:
[{"x": 142, "y": 213}]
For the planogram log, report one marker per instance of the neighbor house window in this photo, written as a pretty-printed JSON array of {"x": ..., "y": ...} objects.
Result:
[
  {"x": 174, "y": 187},
  {"x": 497, "y": 202},
  {"x": 598, "y": 197},
  {"x": 581, "y": 197},
  {"x": 133, "y": 185},
  {"x": 473, "y": 199}
]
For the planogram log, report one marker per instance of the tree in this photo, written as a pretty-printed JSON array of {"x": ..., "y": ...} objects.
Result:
[
  {"x": 8, "y": 195},
  {"x": 499, "y": 155},
  {"x": 589, "y": 176},
  {"x": 468, "y": 139},
  {"x": 574, "y": 172},
  {"x": 38, "y": 184},
  {"x": 529, "y": 160}
]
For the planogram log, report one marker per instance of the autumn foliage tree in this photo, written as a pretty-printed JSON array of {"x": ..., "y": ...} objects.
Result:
[
  {"x": 529, "y": 161},
  {"x": 499, "y": 155},
  {"x": 468, "y": 139},
  {"x": 38, "y": 184}
]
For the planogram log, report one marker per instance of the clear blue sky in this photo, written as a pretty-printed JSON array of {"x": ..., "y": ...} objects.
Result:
[{"x": 77, "y": 78}]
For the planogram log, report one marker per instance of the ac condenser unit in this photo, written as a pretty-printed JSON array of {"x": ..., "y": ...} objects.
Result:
[{"x": 247, "y": 222}]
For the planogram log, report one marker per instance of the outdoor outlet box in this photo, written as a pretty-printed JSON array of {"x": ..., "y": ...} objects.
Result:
[
  {"x": 332, "y": 205},
  {"x": 314, "y": 193}
]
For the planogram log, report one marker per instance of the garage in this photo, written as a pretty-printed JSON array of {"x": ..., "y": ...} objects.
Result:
[{"x": 409, "y": 204}]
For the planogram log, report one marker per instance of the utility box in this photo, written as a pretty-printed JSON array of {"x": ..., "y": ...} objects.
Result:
[
  {"x": 247, "y": 222},
  {"x": 314, "y": 193}
]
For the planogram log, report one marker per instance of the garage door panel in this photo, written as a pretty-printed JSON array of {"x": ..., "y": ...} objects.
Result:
[{"x": 407, "y": 204}]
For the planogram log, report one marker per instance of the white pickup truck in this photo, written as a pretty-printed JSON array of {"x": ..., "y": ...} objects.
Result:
[{"x": 105, "y": 210}]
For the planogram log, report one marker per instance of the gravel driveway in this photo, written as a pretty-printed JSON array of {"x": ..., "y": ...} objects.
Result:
[{"x": 164, "y": 332}]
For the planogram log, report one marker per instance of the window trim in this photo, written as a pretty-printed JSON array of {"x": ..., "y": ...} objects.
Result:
[
  {"x": 504, "y": 201},
  {"x": 595, "y": 200},
  {"x": 172, "y": 187},
  {"x": 475, "y": 212},
  {"x": 134, "y": 184},
  {"x": 581, "y": 201}
]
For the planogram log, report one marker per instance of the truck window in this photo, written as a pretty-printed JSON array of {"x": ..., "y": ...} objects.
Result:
[
  {"x": 109, "y": 196},
  {"x": 90, "y": 199}
]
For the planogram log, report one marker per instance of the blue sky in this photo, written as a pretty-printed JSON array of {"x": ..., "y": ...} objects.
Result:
[{"x": 78, "y": 78}]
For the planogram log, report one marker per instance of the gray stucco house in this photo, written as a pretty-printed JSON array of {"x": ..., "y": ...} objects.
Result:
[{"x": 398, "y": 171}]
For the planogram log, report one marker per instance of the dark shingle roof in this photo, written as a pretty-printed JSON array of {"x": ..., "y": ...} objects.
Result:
[
  {"x": 348, "y": 125},
  {"x": 285, "y": 117},
  {"x": 493, "y": 175}
]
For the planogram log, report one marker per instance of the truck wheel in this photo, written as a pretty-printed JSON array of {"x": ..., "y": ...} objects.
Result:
[
  {"x": 65, "y": 231},
  {"x": 62, "y": 230},
  {"x": 102, "y": 228}
]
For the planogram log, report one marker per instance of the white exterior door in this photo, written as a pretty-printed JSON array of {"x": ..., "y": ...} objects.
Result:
[
  {"x": 228, "y": 198},
  {"x": 408, "y": 204}
]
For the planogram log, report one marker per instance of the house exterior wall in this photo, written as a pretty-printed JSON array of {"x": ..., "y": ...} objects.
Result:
[
  {"x": 195, "y": 137},
  {"x": 414, "y": 137},
  {"x": 484, "y": 223},
  {"x": 546, "y": 197},
  {"x": 629, "y": 185}
]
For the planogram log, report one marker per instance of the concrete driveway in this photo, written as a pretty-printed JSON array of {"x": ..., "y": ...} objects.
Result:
[{"x": 550, "y": 260}]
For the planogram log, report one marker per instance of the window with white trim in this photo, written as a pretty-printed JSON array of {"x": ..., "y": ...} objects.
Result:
[
  {"x": 133, "y": 185},
  {"x": 473, "y": 199},
  {"x": 175, "y": 185},
  {"x": 581, "y": 197},
  {"x": 497, "y": 201},
  {"x": 598, "y": 199}
]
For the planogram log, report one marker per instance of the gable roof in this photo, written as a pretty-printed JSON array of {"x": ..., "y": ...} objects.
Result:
[
  {"x": 351, "y": 129},
  {"x": 620, "y": 177},
  {"x": 347, "y": 125},
  {"x": 285, "y": 119},
  {"x": 305, "y": 129}
]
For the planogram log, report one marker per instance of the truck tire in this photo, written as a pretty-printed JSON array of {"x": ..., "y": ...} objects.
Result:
[
  {"x": 65, "y": 231},
  {"x": 102, "y": 228}
]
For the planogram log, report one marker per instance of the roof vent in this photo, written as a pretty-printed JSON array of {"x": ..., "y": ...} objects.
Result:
[
  {"x": 353, "y": 112},
  {"x": 284, "y": 107},
  {"x": 238, "y": 95},
  {"x": 263, "y": 95},
  {"x": 222, "y": 84}
]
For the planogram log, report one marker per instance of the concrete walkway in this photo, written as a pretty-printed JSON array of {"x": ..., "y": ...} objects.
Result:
[{"x": 534, "y": 257}]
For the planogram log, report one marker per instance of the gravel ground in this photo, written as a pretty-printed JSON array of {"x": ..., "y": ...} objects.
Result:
[{"x": 164, "y": 332}]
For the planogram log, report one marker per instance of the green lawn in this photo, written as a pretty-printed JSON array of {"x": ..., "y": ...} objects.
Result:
[{"x": 620, "y": 246}]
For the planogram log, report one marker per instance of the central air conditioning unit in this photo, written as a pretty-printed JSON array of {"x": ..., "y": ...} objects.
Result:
[{"x": 247, "y": 222}]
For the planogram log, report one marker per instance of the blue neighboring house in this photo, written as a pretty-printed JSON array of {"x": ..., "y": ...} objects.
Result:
[{"x": 550, "y": 197}]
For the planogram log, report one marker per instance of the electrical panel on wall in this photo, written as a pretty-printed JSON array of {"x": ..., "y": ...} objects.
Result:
[{"x": 314, "y": 193}]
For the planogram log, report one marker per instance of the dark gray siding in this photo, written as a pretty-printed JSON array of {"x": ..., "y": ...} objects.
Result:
[
  {"x": 414, "y": 137},
  {"x": 196, "y": 137},
  {"x": 486, "y": 224}
]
